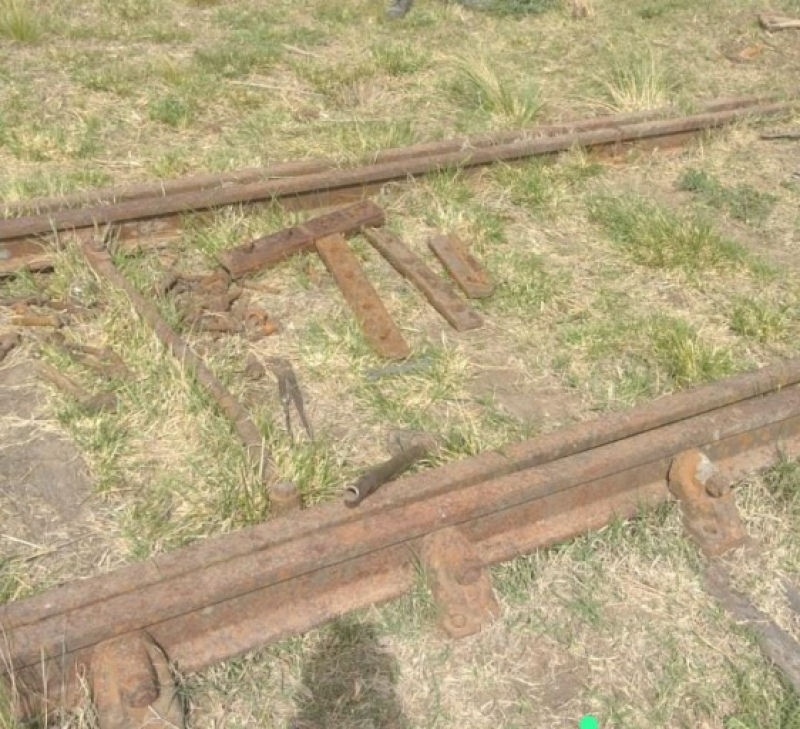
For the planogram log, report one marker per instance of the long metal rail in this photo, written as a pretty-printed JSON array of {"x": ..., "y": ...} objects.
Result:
[
  {"x": 194, "y": 183},
  {"x": 216, "y": 599}
]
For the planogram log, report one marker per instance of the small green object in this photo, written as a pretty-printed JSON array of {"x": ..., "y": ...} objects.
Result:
[{"x": 589, "y": 722}]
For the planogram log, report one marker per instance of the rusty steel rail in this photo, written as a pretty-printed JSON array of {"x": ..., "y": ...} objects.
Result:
[
  {"x": 348, "y": 181},
  {"x": 195, "y": 183},
  {"x": 216, "y": 599}
]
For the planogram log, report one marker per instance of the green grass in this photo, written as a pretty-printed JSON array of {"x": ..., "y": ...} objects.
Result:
[
  {"x": 19, "y": 21},
  {"x": 171, "y": 110},
  {"x": 635, "y": 80},
  {"x": 763, "y": 321},
  {"x": 654, "y": 236},
  {"x": 741, "y": 201},
  {"x": 642, "y": 356},
  {"x": 477, "y": 85}
]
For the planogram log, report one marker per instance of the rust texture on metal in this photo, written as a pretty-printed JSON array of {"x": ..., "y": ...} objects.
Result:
[
  {"x": 293, "y": 169},
  {"x": 132, "y": 685},
  {"x": 385, "y": 472},
  {"x": 470, "y": 276},
  {"x": 439, "y": 294},
  {"x": 37, "y": 320},
  {"x": 38, "y": 254},
  {"x": 273, "y": 249},
  {"x": 358, "y": 177},
  {"x": 257, "y": 453},
  {"x": 368, "y": 308},
  {"x": 773, "y": 23},
  {"x": 161, "y": 188},
  {"x": 458, "y": 474},
  {"x": 459, "y": 582},
  {"x": 211, "y": 601},
  {"x": 709, "y": 510}
]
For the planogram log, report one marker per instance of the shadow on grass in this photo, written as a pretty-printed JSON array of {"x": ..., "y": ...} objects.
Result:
[{"x": 349, "y": 682}]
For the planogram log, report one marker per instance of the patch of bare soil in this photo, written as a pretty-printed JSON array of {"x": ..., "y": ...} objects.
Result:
[
  {"x": 536, "y": 405},
  {"x": 46, "y": 527}
]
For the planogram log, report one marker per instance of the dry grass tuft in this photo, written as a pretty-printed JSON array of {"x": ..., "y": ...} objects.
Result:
[{"x": 19, "y": 21}]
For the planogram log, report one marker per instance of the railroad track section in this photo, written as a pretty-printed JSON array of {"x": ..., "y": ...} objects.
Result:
[
  {"x": 121, "y": 632},
  {"x": 214, "y": 600}
]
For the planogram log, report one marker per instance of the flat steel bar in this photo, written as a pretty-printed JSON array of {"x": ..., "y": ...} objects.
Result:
[
  {"x": 371, "y": 174},
  {"x": 562, "y": 499},
  {"x": 492, "y": 464},
  {"x": 279, "y": 170},
  {"x": 62, "y": 633},
  {"x": 277, "y": 247},
  {"x": 368, "y": 308},
  {"x": 439, "y": 294},
  {"x": 470, "y": 276}
]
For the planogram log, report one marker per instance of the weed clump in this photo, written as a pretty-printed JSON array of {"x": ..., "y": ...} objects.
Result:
[
  {"x": 742, "y": 202},
  {"x": 656, "y": 237}
]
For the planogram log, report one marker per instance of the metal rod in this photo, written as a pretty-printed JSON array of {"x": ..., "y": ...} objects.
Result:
[{"x": 382, "y": 474}]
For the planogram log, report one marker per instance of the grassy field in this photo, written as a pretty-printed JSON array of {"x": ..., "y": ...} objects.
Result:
[{"x": 616, "y": 283}]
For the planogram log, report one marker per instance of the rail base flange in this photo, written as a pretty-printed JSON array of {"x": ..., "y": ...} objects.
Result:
[
  {"x": 709, "y": 509},
  {"x": 460, "y": 583}
]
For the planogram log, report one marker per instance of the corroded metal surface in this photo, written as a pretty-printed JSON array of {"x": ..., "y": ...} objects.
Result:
[
  {"x": 247, "y": 430},
  {"x": 209, "y": 602},
  {"x": 383, "y": 473},
  {"x": 376, "y": 322},
  {"x": 470, "y": 276},
  {"x": 272, "y": 249},
  {"x": 382, "y": 172},
  {"x": 439, "y": 294},
  {"x": 132, "y": 686},
  {"x": 709, "y": 510},
  {"x": 280, "y": 170},
  {"x": 459, "y": 581}
]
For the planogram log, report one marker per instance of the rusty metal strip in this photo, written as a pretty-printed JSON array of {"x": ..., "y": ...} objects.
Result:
[
  {"x": 441, "y": 297},
  {"x": 292, "y": 169},
  {"x": 304, "y": 582},
  {"x": 279, "y": 246},
  {"x": 583, "y": 437},
  {"x": 372, "y": 174},
  {"x": 471, "y": 277},
  {"x": 369, "y": 310}
]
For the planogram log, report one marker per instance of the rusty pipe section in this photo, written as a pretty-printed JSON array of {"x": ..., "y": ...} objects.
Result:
[
  {"x": 383, "y": 473},
  {"x": 314, "y": 566}
]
